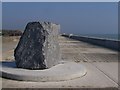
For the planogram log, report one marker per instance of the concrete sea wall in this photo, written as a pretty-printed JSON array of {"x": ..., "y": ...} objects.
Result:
[{"x": 108, "y": 43}]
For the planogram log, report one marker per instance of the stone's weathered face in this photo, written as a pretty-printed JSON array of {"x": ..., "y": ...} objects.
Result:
[{"x": 38, "y": 47}]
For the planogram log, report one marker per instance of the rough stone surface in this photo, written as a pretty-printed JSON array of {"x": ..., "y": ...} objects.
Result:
[{"x": 38, "y": 47}]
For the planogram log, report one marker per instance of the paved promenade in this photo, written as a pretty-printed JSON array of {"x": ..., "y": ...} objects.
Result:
[{"x": 101, "y": 64}]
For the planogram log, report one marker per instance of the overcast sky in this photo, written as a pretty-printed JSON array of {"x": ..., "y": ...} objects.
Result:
[{"x": 77, "y": 18}]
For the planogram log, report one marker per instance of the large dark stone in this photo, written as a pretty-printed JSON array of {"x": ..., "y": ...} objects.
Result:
[{"x": 38, "y": 47}]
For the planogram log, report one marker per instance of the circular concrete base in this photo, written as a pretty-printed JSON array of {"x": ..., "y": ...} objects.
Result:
[{"x": 60, "y": 72}]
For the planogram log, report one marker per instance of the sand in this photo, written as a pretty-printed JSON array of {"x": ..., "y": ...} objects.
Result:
[{"x": 8, "y": 46}]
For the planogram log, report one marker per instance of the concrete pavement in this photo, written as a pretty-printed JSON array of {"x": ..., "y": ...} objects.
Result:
[{"x": 101, "y": 65}]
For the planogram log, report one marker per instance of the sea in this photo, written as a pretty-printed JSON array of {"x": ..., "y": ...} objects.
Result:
[{"x": 106, "y": 36}]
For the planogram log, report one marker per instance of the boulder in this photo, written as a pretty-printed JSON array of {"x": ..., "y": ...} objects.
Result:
[{"x": 38, "y": 47}]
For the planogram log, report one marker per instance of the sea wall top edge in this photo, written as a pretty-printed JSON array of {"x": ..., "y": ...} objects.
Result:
[{"x": 92, "y": 37}]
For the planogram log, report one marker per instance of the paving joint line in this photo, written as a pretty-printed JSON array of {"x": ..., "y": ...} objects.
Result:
[{"x": 105, "y": 74}]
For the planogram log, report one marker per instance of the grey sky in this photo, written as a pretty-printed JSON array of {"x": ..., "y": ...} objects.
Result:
[{"x": 77, "y": 18}]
